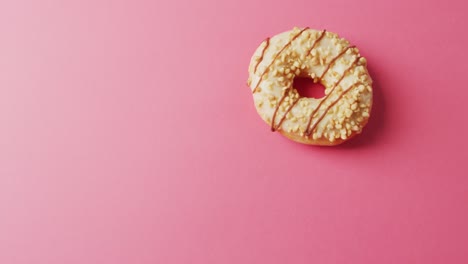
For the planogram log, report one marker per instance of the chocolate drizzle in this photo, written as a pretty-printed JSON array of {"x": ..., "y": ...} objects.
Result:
[
  {"x": 276, "y": 56},
  {"x": 287, "y": 111},
  {"x": 263, "y": 53},
  {"x": 308, "y": 129},
  {"x": 333, "y": 104},
  {"x": 316, "y": 41},
  {"x": 276, "y": 110},
  {"x": 333, "y": 61}
]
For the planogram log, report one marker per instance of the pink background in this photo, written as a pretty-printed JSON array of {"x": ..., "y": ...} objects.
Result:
[{"x": 128, "y": 135}]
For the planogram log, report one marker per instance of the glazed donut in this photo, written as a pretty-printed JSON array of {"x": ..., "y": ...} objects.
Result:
[{"x": 327, "y": 59}]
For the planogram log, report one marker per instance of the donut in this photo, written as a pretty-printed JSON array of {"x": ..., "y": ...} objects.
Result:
[{"x": 327, "y": 59}]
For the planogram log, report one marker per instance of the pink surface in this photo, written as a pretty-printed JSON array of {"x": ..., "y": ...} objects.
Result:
[{"x": 128, "y": 135}]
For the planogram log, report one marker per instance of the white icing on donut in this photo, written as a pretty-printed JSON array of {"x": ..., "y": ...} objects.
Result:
[{"x": 327, "y": 59}]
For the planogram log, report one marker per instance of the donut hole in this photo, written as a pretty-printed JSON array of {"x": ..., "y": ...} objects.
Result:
[{"x": 307, "y": 88}]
